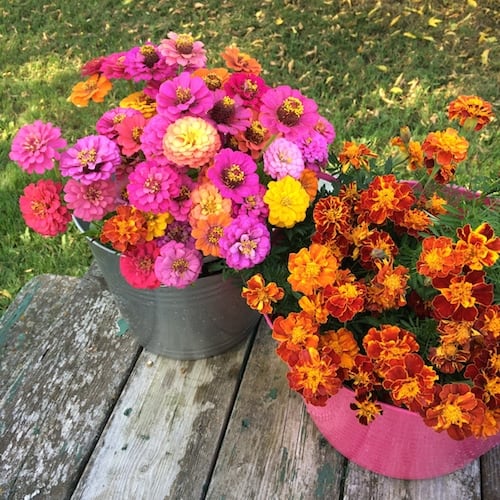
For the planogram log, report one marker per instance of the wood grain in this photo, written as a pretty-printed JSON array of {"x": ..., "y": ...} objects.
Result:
[{"x": 62, "y": 369}]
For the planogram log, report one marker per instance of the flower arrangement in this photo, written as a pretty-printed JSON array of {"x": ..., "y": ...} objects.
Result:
[
  {"x": 391, "y": 287},
  {"x": 184, "y": 171}
]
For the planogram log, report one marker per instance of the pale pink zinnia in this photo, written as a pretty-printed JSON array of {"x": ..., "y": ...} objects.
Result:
[
  {"x": 191, "y": 141},
  {"x": 178, "y": 265},
  {"x": 152, "y": 139},
  {"x": 286, "y": 111},
  {"x": 282, "y": 158},
  {"x": 137, "y": 265},
  {"x": 91, "y": 202},
  {"x": 42, "y": 209},
  {"x": 35, "y": 147},
  {"x": 91, "y": 159},
  {"x": 184, "y": 95},
  {"x": 183, "y": 50},
  {"x": 152, "y": 186}
]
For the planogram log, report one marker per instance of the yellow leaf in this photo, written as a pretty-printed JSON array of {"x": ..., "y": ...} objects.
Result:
[
  {"x": 279, "y": 21},
  {"x": 395, "y": 20},
  {"x": 6, "y": 293},
  {"x": 434, "y": 21},
  {"x": 484, "y": 57},
  {"x": 407, "y": 34},
  {"x": 428, "y": 38},
  {"x": 329, "y": 79},
  {"x": 382, "y": 67},
  {"x": 396, "y": 90},
  {"x": 472, "y": 3},
  {"x": 290, "y": 65}
]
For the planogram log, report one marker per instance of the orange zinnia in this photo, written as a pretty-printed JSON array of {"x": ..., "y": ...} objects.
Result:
[
  {"x": 125, "y": 229},
  {"x": 214, "y": 78},
  {"x": 470, "y": 109},
  {"x": 207, "y": 233},
  {"x": 311, "y": 268},
  {"x": 260, "y": 296},
  {"x": 95, "y": 89},
  {"x": 240, "y": 61}
]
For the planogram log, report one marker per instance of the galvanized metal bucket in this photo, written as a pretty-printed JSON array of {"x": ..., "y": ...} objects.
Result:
[{"x": 202, "y": 320}]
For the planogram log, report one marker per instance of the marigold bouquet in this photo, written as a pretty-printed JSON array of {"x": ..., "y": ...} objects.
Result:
[
  {"x": 196, "y": 164},
  {"x": 392, "y": 287}
]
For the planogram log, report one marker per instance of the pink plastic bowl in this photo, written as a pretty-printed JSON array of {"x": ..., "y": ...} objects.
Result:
[{"x": 396, "y": 444}]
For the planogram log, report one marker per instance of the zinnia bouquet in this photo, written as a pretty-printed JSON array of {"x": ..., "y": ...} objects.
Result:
[
  {"x": 190, "y": 169},
  {"x": 391, "y": 287}
]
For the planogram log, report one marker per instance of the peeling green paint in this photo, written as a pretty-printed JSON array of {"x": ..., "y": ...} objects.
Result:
[
  {"x": 127, "y": 412},
  {"x": 122, "y": 324},
  {"x": 144, "y": 436},
  {"x": 283, "y": 464},
  {"x": 15, "y": 387},
  {"x": 245, "y": 423},
  {"x": 325, "y": 477},
  {"x": 124, "y": 447},
  {"x": 273, "y": 393}
]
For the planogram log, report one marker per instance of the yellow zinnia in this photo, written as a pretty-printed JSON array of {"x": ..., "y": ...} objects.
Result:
[{"x": 287, "y": 201}]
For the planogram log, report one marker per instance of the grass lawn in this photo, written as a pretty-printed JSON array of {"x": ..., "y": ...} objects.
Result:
[{"x": 372, "y": 66}]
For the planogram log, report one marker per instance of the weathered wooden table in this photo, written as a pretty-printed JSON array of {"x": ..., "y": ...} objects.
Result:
[{"x": 86, "y": 414}]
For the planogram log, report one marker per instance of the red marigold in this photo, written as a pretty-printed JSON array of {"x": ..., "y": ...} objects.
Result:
[
  {"x": 313, "y": 377},
  {"x": 461, "y": 295},
  {"x": 366, "y": 408},
  {"x": 332, "y": 215},
  {"x": 456, "y": 411},
  {"x": 388, "y": 342},
  {"x": 377, "y": 246},
  {"x": 480, "y": 246},
  {"x": 345, "y": 300},
  {"x": 488, "y": 322},
  {"x": 470, "y": 109},
  {"x": 449, "y": 357},
  {"x": 384, "y": 197},
  {"x": 387, "y": 289},
  {"x": 410, "y": 382}
]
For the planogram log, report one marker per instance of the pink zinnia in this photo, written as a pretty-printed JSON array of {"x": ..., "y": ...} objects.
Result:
[
  {"x": 152, "y": 186},
  {"x": 90, "y": 202},
  {"x": 254, "y": 205},
  {"x": 92, "y": 67},
  {"x": 325, "y": 128},
  {"x": 42, "y": 209},
  {"x": 137, "y": 265},
  {"x": 283, "y": 158},
  {"x": 182, "y": 50},
  {"x": 113, "y": 66},
  {"x": 129, "y": 133},
  {"x": 314, "y": 149},
  {"x": 229, "y": 114},
  {"x": 180, "y": 205},
  {"x": 249, "y": 87},
  {"x": 178, "y": 265},
  {"x": 91, "y": 159},
  {"x": 152, "y": 139},
  {"x": 146, "y": 63},
  {"x": 184, "y": 95},
  {"x": 179, "y": 231},
  {"x": 245, "y": 243},
  {"x": 286, "y": 111},
  {"x": 35, "y": 147},
  {"x": 235, "y": 174},
  {"x": 106, "y": 124}
]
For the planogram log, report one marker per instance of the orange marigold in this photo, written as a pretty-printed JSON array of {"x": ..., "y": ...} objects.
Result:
[
  {"x": 384, "y": 197},
  {"x": 345, "y": 300},
  {"x": 457, "y": 410},
  {"x": 313, "y": 377},
  {"x": 125, "y": 229},
  {"x": 311, "y": 268},
  {"x": 355, "y": 155},
  {"x": 95, "y": 88},
  {"x": 471, "y": 111},
  {"x": 261, "y": 296},
  {"x": 439, "y": 258},
  {"x": 366, "y": 408},
  {"x": 387, "y": 289},
  {"x": 332, "y": 216},
  {"x": 341, "y": 342}
]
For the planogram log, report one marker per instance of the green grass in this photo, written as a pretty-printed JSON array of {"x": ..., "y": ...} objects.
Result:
[{"x": 372, "y": 66}]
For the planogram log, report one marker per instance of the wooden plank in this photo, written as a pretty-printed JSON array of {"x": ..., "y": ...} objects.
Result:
[
  {"x": 62, "y": 369},
  {"x": 165, "y": 431},
  {"x": 272, "y": 448},
  {"x": 365, "y": 485},
  {"x": 490, "y": 474}
]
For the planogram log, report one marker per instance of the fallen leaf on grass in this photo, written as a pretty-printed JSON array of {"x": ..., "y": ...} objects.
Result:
[{"x": 484, "y": 57}]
